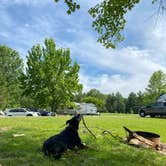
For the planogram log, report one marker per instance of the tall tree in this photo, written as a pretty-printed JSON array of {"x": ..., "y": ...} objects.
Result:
[
  {"x": 11, "y": 67},
  {"x": 51, "y": 78},
  {"x": 131, "y": 103},
  {"x": 96, "y": 93},
  {"x": 156, "y": 86},
  {"x": 140, "y": 99},
  {"x": 115, "y": 103},
  {"x": 120, "y": 107},
  {"x": 110, "y": 103},
  {"x": 3, "y": 91},
  {"x": 109, "y": 18}
]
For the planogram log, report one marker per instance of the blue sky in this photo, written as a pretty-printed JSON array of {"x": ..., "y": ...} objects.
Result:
[{"x": 128, "y": 68}]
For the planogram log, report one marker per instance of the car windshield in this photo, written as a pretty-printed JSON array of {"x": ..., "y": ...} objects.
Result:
[
  {"x": 32, "y": 109},
  {"x": 158, "y": 104}
]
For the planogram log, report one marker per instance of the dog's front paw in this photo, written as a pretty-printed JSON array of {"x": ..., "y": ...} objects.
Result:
[{"x": 84, "y": 145}]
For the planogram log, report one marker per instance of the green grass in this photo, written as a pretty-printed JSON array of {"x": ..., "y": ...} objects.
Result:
[{"x": 104, "y": 151}]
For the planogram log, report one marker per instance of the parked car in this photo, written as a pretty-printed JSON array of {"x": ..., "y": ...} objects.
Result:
[
  {"x": 1, "y": 113},
  {"x": 34, "y": 110},
  {"x": 46, "y": 113},
  {"x": 158, "y": 108},
  {"x": 20, "y": 112}
]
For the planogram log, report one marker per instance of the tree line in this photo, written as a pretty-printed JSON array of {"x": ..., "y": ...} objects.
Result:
[
  {"x": 116, "y": 103},
  {"x": 50, "y": 79}
]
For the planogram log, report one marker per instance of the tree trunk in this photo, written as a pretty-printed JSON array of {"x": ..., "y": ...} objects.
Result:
[{"x": 53, "y": 108}]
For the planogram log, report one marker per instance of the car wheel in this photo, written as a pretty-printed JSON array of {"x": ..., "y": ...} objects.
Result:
[
  {"x": 142, "y": 113},
  {"x": 29, "y": 115},
  {"x": 152, "y": 116}
]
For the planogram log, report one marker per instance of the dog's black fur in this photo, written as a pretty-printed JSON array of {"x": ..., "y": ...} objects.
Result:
[{"x": 67, "y": 139}]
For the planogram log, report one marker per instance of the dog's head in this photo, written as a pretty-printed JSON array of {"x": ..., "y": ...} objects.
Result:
[{"x": 74, "y": 122}]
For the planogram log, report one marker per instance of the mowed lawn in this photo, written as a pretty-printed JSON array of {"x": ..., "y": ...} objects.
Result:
[{"x": 103, "y": 151}]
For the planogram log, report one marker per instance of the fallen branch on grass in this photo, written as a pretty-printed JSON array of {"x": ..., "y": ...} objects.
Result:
[
  {"x": 18, "y": 135},
  {"x": 83, "y": 121},
  {"x": 114, "y": 136}
]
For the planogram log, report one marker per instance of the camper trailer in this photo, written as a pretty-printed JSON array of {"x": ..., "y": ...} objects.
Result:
[
  {"x": 87, "y": 109},
  {"x": 82, "y": 108}
]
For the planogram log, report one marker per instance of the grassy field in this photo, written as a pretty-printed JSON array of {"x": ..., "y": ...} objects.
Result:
[{"x": 104, "y": 151}]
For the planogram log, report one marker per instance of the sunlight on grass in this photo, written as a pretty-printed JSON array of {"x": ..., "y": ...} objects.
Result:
[{"x": 26, "y": 150}]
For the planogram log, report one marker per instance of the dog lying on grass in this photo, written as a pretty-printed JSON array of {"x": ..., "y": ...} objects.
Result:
[{"x": 69, "y": 138}]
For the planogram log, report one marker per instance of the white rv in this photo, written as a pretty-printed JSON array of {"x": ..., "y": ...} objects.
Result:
[
  {"x": 82, "y": 108},
  {"x": 87, "y": 109}
]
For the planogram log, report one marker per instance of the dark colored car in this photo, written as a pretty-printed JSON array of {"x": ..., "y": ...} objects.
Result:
[
  {"x": 34, "y": 110},
  {"x": 46, "y": 113},
  {"x": 42, "y": 112},
  {"x": 158, "y": 108}
]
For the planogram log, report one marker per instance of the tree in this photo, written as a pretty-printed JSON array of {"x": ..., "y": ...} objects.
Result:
[
  {"x": 131, "y": 104},
  {"x": 51, "y": 78},
  {"x": 115, "y": 103},
  {"x": 109, "y": 18},
  {"x": 156, "y": 87},
  {"x": 96, "y": 93},
  {"x": 96, "y": 97},
  {"x": 28, "y": 102},
  {"x": 72, "y": 5},
  {"x": 3, "y": 91},
  {"x": 120, "y": 107},
  {"x": 11, "y": 67},
  {"x": 98, "y": 102},
  {"x": 93, "y": 96},
  {"x": 140, "y": 99},
  {"x": 110, "y": 102}
]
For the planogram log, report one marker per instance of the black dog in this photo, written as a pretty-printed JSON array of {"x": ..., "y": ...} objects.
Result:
[{"x": 67, "y": 139}]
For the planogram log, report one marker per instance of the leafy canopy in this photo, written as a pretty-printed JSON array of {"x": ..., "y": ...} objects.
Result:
[
  {"x": 109, "y": 18},
  {"x": 115, "y": 103},
  {"x": 72, "y": 5},
  {"x": 156, "y": 86},
  {"x": 50, "y": 76},
  {"x": 11, "y": 67}
]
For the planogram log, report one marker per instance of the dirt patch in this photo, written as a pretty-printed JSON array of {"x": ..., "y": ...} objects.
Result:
[{"x": 3, "y": 129}]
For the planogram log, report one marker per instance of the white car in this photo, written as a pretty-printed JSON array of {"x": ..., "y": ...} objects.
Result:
[
  {"x": 20, "y": 112},
  {"x": 1, "y": 113}
]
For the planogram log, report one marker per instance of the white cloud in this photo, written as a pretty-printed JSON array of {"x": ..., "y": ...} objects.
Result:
[
  {"x": 124, "y": 69},
  {"x": 132, "y": 66},
  {"x": 129, "y": 60},
  {"x": 114, "y": 83},
  {"x": 155, "y": 40}
]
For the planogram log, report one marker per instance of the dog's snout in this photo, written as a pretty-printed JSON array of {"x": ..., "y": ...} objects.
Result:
[{"x": 79, "y": 116}]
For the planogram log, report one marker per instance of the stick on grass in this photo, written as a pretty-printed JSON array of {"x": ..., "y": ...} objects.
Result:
[{"x": 87, "y": 127}]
